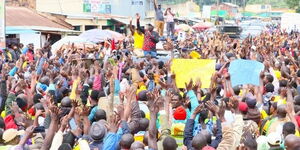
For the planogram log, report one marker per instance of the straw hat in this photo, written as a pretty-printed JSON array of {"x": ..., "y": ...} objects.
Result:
[{"x": 10, "y": 134}]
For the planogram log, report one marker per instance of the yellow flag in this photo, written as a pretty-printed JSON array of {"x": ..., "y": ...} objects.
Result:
[{"x": 186, "y": 69}]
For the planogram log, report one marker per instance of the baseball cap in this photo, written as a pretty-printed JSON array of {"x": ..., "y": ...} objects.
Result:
[
  {"x": 179, "y": 113},
  {"x": 274, "y": 139},
  {"x": 243, "y": 107},
  {"x": 10, "y": 134}
]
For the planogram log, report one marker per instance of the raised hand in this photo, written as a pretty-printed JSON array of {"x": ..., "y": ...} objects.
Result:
[
  {"x": 113, "y": 124},
  {"x": 198, "y": 85},
  {"x": 189, "y": 86},
  {"x": 85, "y": 111},
  {"x": 198, "y": 109},
  {"x": 169, "y": 96},
  {"x": 39, "y": 113},
  {"x": 153, "y": 98},
  {"x": 212, "y": 107},
  {"x": 64, "y": 122},
  {"x": 54, "y": 110},
  {"x": 234, "y": 104}
]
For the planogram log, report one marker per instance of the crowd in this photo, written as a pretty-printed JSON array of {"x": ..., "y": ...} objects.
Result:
[{"x": 62, "y": 101}]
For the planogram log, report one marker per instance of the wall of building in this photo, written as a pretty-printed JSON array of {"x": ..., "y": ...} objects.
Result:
[
  {"x": 258, "y": 8},
  {"x": 83, "y": 22},
  {"x": 60, "y": 6},
  {"x": 34, "y": 38},
  {"x": 116, "y": 7}
]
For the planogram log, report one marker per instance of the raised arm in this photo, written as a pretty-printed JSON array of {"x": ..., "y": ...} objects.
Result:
[
  {"x": 153, "y": 107},
  {"x": 52, "y": 128},
  {"x": 155, "y": 4},
  {"x": 131, "y": 27},
  {"x": 138, "y": 24}
]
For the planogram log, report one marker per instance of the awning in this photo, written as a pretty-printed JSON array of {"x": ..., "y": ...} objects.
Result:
[
  {"x": 46, "y": 29},
  {"x": 18, "y": 30}
]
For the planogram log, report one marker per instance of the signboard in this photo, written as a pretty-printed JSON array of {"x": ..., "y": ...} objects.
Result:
[
  {"x": 137, "y": 2},
  {"x": 97, "y": 6},
  {"x": 2, "y": 23},
  {"x": 206, "y": 11},
  {"x": 187, "y": 69}
]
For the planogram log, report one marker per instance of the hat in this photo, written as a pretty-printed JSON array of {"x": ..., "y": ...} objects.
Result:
[
  {"x": 208, "y": 148},
  {"x": 250, "y": 102},
  {"x": 243, "y": 107},
  {"x": 97, "y": 131},
  {"x": 274, "y": 139},
  {"x": 10, "y": 134},
  {"x": 179, "y": 113}
]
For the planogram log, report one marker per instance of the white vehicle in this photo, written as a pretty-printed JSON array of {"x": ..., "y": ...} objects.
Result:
[{"x": 290, "y": 21}]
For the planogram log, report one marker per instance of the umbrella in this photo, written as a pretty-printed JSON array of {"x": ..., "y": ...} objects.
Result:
[
  {"x": 183, "y": 27},
  {"x": 68, "y": 40},
  {"x": 98, "y": 35},
  {"x": 201, "y": 26},
  {"x": 115, "y": 35}
]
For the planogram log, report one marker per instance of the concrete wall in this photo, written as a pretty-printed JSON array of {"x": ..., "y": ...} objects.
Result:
[{"x": 34, "y": 38}]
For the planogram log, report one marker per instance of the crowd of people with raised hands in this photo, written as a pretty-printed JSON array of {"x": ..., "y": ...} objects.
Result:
[{"x": 57, "y": 102}]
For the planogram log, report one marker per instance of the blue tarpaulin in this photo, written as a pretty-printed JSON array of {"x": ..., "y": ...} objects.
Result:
[{"x": 17, "y": 30}]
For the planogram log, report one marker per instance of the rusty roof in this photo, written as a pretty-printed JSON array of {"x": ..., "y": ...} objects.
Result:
[{"x": 21, "y": 16}]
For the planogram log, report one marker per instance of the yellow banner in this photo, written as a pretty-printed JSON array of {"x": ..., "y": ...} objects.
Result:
[{"x": 186, "y": 69}]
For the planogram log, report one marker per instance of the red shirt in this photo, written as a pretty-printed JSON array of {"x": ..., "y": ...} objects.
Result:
[{"x": 149, "y": 43}]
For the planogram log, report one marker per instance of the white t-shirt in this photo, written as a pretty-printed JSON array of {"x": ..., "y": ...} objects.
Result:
[{"x": 170, "y": 17}]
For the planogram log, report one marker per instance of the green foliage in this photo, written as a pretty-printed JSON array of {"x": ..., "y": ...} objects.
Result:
[
  {"x": 273, "y": 3},
  {"x": 293, "y": 4}
]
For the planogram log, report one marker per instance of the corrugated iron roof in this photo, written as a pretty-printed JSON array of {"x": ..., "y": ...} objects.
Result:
[{"x": 21, "y": 16}]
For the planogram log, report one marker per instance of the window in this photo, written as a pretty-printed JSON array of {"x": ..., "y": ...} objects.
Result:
[
  {"x": 90, "y": 27},
  {"x": 76, "y": 28}
]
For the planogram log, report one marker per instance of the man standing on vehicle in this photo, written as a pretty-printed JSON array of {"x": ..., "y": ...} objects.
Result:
[
  {"x": 159, "y": 18},
  {"x": 150, "y": 39},
  {"x": 170, "y": 22}
]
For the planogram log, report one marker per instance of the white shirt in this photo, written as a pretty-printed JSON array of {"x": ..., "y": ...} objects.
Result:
[{"x": 170, "y": 17}]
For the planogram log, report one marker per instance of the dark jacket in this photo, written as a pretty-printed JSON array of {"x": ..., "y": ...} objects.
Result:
[{"x": 188, "y": 134}]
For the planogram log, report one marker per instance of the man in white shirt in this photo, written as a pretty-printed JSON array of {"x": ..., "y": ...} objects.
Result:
[{"x": 170, "y": 22}]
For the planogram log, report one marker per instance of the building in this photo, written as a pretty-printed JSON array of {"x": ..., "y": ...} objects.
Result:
[
  {"x": 113, "y": 7},
  {"x": 86, "y": 21},
  {"x": 225, "y": 10},
  {"x": 90, "y": 14},
  {"x": 24, "y": 25},
  {"x": 258, "y": 8}
]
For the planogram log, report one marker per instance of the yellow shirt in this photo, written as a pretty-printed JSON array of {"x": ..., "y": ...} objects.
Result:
[
  {"x": 138, "y": 40},
  {"x": 280, "y": 100},
  {"x": 74, "y": 88}
]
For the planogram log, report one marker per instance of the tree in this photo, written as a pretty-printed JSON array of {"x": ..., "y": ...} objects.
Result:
[{"x": 294, "y": 4}]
